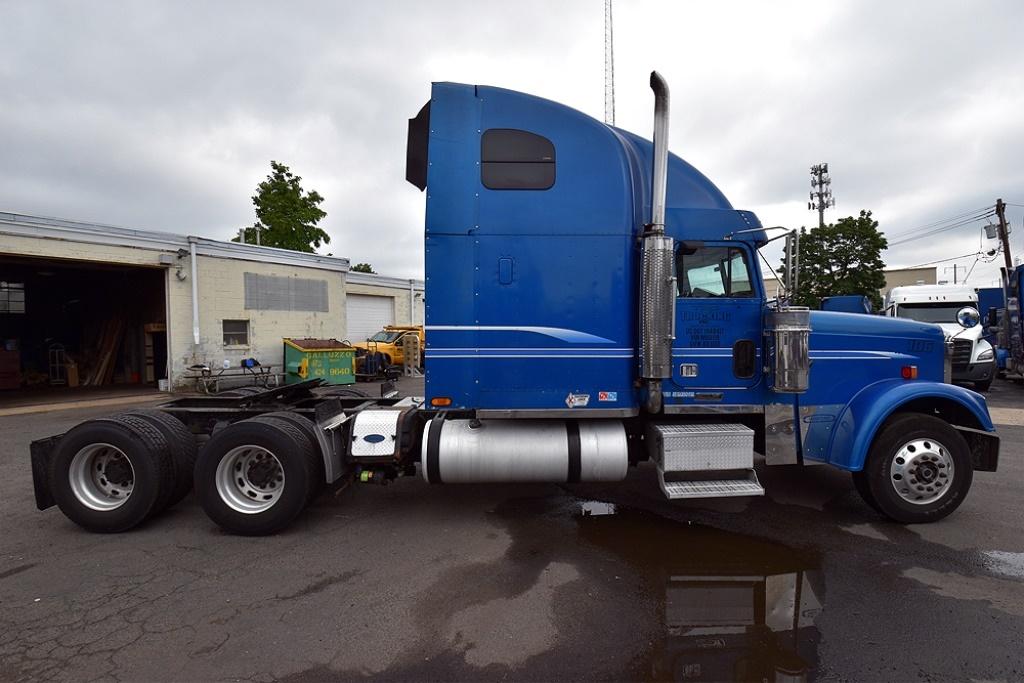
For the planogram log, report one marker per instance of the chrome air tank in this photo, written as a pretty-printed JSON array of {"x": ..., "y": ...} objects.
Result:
[{"x": 481, "y": 451}]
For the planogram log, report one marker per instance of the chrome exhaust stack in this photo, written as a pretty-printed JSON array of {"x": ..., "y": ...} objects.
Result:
[
  {"x": 657, "y": 267},
  {"x": 659, "y": 175}
]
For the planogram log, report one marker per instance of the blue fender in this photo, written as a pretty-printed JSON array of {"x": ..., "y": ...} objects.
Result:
[{"x": 872, "y": 406}]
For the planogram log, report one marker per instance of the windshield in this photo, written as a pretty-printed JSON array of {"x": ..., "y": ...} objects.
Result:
[
  {"x": 944, "y": 312},
  {"x": 385, "y": 336}
]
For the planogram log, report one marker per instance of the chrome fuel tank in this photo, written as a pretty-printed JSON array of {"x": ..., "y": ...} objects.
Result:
[{"x": 483, "y": 451}]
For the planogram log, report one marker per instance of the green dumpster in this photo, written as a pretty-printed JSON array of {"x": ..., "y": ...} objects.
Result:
[{"x": 327, "y": 359}]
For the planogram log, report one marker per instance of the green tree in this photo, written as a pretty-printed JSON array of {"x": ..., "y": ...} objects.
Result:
[
  {"x": 286, "y": 215},
  {"x": 363, "y": 268},
  {"x": 844, "y": 257}
]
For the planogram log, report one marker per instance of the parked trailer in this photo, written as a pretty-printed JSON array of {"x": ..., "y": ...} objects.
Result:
[{"x": 593, "y": 303}]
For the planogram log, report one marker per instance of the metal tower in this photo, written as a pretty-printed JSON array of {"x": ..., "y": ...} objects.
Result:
[
  {"x": 821, "y": 192},
  {"x": 609, "y": 66}
]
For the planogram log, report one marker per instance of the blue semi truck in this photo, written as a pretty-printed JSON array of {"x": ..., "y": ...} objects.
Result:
[{"x": 594, "y": 303}]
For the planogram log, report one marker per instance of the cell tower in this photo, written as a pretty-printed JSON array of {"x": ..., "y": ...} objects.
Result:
[
  {"x": 821, "y": 192},
  {"x": 609, "y": 66}
]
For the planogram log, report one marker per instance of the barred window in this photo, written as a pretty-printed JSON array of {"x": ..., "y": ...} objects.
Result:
[{"x": 12, "y": 297}]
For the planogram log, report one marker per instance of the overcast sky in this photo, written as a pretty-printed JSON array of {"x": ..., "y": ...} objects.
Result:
[{"x": 165, "y": 115}]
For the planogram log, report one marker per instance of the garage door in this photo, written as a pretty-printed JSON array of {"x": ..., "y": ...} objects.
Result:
[{"x": 368, "y": 314}]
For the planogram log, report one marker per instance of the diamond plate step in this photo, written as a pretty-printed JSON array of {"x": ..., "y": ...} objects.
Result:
[
  {"x": 701, "y": 447},
  {"x": 711, "y": 488}
]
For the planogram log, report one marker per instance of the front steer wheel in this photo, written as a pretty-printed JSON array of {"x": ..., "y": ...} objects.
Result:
[
  {"x": 254, "y": 477},
  {"x": 918, "y": 470}
]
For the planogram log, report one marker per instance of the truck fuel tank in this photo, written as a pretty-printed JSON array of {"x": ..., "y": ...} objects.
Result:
[{"x": 485, "y": 451}]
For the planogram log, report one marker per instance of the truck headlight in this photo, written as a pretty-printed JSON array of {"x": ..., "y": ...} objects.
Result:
[{"x": 987, "y": 354}]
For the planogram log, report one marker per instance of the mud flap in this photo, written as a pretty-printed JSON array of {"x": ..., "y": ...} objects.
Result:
[
  {"x": 41, "y": 451},
  {"x": 984, "y": 448}
]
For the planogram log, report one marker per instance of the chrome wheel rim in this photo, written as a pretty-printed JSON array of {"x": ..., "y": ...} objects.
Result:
[
  {"x": 250, "y": 479},
  {"x": 922, "y": 471},
  {"x": 101, "y": 477}
]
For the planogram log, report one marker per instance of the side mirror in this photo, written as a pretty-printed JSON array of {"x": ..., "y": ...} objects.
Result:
[
  {"x": 993, "y": 317},
  {"x": 968, "y": 317}
]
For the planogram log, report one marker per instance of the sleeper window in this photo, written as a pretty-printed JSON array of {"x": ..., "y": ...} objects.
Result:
[
  {"x": 710, "y": 272},
  {"x": 516, "y": 160}
]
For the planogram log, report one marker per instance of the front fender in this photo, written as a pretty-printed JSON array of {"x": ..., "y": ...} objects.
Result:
[{"x": 872, "y": 406}]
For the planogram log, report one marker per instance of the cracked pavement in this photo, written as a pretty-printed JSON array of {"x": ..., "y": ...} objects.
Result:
[{"x": 413, "y": 582}]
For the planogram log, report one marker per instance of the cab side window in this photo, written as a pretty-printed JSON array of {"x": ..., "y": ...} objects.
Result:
[{"x": 712, "y": 272}]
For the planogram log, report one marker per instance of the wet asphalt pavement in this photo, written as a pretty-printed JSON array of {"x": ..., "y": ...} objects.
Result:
[{"x": 414, "y": 582}]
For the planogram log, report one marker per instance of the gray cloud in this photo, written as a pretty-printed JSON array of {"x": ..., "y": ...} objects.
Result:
[{"x": 165, "y": 115}]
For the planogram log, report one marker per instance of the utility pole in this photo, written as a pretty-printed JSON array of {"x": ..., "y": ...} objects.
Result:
[
  {"x": 609, "y": 66},
  {"x": 821, "y": 192},
  {"x": 954, "y": 267},
  {"x": 1004, "y": 237}
]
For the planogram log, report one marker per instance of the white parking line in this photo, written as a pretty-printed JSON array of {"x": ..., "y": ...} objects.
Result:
[{"x": 1007, "y": 416}]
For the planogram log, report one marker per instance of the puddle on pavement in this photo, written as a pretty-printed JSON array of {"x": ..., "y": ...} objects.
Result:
[
  {"x": 596, "y": 508},
  {"x": 732, "y": 607},
  {"x": 1005, "y": 563}
]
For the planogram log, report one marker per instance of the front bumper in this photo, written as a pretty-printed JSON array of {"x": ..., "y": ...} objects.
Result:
[{"x": 975, "y": 372}]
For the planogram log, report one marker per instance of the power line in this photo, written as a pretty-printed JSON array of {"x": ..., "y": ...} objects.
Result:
[
  {"x": 945, "y": 228},
  {"x": 985, "y": 256},
  {"x": 951, "y": 219},
  {"x": 942, "y": 260},
  {"x": 968, "y": 276}
]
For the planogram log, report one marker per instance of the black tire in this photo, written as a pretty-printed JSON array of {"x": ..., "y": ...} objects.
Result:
[
  {"x": 242, "y": 391},
  {"x": 860, "y": 482},
  {"x": 345, "y": 392},
  {"x": 900, "y": 431},
  {"x": 983, "y": 387},
  {"x": 152, "y": 472},
  {"x": 308, "y": 430},
  {"x": 182, "y": 445},
  {"x": 290, "y": 448}
]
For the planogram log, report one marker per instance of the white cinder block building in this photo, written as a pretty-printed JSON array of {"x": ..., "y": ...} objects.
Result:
[{"x": 82, "y": 303}]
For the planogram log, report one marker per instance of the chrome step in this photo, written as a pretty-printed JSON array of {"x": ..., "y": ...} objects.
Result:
[{"x": 711, "y": 488}]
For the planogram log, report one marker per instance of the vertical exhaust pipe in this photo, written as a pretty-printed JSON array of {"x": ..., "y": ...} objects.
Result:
[
  {"x": 659, "y": 174},
  {"x": 657, "y": 267}
]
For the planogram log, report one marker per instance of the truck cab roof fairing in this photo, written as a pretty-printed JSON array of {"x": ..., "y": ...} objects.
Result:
[{"x": 602, "y": 179}]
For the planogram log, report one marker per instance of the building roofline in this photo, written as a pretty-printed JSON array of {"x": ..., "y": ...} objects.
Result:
[
  {"x": 358, "y": 278},
  {"x": 27, "y": 225}
]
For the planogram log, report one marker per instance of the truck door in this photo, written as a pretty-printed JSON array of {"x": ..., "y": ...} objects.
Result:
[{"x": 718, "y": 321}]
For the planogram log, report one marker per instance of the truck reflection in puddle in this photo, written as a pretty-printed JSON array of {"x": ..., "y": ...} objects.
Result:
[{"x": 735, "y": 608}]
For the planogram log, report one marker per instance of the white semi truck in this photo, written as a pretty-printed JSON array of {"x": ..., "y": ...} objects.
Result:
[{"x": 973, "y": 358}]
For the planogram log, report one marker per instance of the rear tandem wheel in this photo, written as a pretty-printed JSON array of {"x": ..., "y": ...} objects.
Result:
[
  {"x": 111, "y": 474},
  {"x": 256, "y": 476}
]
